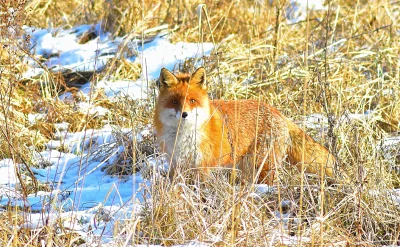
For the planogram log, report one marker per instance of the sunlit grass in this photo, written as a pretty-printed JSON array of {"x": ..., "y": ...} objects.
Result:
[{"x": 335, "y": 62}]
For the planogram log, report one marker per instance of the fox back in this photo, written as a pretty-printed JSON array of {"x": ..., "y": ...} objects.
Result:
[{"x": 199, "y": 133}]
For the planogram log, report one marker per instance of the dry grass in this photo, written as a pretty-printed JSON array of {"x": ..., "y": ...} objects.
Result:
[{"x": 337, "y": 62}]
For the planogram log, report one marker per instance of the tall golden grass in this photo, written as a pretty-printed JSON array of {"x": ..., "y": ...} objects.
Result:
[{"x": 335, "y": 62}]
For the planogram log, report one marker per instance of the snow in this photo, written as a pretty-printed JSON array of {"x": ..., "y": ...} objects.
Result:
[
  {"x": 65, "y": 52},
  {"x": 172, "y": 53},
  {"x": 298, "y": 9},
  {"x": 69, "y": 53},
  {"x": 80, "y": 189},
  {"x": 78, "y": 185},
  {"x": 7, "y": 173},
  {"x": 134, "y": 90}
]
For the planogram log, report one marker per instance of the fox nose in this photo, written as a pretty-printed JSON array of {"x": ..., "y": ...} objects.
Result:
[{"x": 184, "y": 114}]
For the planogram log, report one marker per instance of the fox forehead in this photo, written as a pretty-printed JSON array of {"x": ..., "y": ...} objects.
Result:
[{"x": 184, "y": 90}]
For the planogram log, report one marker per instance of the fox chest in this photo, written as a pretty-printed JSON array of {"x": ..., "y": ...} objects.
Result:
[{"x": 183, "y": 146}]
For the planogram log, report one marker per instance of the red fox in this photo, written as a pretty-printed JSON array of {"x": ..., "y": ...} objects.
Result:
[{"x": 199, "y": 133}]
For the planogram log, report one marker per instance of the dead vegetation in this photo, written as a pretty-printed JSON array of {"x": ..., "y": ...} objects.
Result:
[{"x": 335, "y": 62}]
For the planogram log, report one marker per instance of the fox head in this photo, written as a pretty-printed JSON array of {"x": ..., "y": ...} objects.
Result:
[{"x": 183, "y": 99}]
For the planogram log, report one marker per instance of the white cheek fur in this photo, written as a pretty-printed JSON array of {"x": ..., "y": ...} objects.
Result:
[
  {"x": 178, "y": 115},
  {"x": 168, "y": 117},
  {"x": 189, "y": 133},
  {"x": 197, "y": 117}
]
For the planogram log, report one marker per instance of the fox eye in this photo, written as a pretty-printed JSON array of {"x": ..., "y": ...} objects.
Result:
[
  {"x": 174, "y": 101},
  {"x": 191, "y": 101}
]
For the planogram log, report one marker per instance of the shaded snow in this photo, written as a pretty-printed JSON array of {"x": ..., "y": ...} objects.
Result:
[
  {"x": 77, "y": 183},
  {"x": 76, "y": 180}
]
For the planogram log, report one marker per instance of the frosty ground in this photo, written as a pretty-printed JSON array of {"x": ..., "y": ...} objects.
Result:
[
  {"x": 80, "y": 187},
  {"x": 87, "y": 199}
]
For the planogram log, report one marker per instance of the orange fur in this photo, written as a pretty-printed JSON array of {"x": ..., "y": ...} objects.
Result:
[{"x": 218, "y": 133}]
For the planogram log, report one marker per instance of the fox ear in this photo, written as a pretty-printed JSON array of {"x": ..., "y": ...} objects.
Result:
[
  {"x": 199, "y": 77},
  {"x": 167, "y": 79}
]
